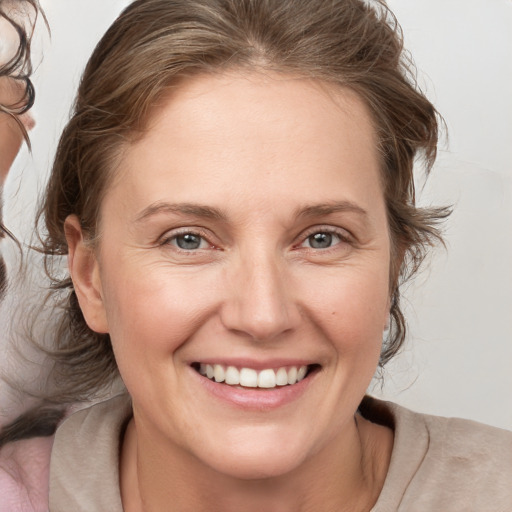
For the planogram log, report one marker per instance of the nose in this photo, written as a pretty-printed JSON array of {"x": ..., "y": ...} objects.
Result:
[{"x": 260, "y": 304}]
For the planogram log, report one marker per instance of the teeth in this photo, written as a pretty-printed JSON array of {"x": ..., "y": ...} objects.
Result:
[
  {"x": 232, "y": 376},
  {"x": 301, "y": 373},
  {"x": 292, "y": 375},
  {"x": 250, "y": 378},
  {"x": 282, "y": 377},
  {"x": 218, "y": 373},
  {"x": 267, "y": 379}
]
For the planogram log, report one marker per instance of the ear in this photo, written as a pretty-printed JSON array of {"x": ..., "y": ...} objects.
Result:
[{"x": 84, "y": 270}]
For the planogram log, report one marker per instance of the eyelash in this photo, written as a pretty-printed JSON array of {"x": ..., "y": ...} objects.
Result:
[
  {"x": 203, "y": 235},
  {"x": 343, "y": 235}
]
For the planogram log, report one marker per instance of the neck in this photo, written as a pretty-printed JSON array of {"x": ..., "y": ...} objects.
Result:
[{"x": 347, "y": 474}]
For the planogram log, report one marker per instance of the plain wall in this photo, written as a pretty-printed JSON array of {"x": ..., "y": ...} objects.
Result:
[{"x": 458, "y": 357}]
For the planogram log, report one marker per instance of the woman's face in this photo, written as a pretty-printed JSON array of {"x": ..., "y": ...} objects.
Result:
[{"x": 246, "y": 235}]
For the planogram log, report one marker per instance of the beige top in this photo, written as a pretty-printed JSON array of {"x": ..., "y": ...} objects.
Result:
[{"x": 437, "y": 464}]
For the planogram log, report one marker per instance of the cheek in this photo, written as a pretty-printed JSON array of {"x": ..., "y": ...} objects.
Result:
[
  {"x": 351, "y": 306},
  {"x": 150, "y": 317}
]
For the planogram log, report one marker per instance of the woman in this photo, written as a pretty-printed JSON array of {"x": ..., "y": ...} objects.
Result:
[{"x": 234, "y": 193}]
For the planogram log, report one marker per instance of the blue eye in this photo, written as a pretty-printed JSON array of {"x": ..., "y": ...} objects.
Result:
[
  {"x": 322, "y": 240},
  {"x": 188, "y": 241}
]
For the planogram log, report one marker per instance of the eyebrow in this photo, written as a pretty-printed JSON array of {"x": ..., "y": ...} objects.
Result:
[
  {"x": 212, "y": 213},
  {"x": 196, "y": 210},
  {"x": 317, "y": 210}
]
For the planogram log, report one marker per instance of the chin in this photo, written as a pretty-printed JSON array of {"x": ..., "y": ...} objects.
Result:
[
  {"x": 257, "y": 456},
  {"x": 258, "y": 467}
]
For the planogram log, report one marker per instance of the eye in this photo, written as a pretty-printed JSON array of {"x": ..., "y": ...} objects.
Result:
[
  {"x": 188, "y": 241},
  {"x": 322, "y": 240}
]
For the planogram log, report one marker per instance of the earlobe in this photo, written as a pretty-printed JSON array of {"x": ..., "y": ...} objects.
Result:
[{"x": 84, "y": 271}]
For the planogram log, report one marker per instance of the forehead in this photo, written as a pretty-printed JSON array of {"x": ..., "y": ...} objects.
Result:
[
  {"x": 257, "y": 100},
  {"x": 260, "y": 132}
]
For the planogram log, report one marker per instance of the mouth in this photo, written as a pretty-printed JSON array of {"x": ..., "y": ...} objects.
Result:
[{"x": 244, "y": 377}]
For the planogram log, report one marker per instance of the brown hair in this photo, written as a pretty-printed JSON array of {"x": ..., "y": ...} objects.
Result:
[{"x": 154, "y": 44}]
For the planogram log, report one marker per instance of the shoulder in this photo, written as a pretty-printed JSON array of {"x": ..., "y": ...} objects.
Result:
[
  {"x": 466, "y": 463},
  {"x": 464, "y": 441},
  {"x": 84, "y": 468},
  {"x": 474, "y": 459},
  {"x": 106, "y": 415},
  {"x": 447, "y": 463},
  {"x": 24, "y": 475}
]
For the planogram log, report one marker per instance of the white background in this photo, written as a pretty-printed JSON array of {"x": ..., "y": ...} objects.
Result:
[{"x": 458, "y": 358}]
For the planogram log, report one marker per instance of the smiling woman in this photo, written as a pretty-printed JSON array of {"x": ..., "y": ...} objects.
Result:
[
  {"x": 234, "y": 193},
  {"x": 244, "y": 291}
]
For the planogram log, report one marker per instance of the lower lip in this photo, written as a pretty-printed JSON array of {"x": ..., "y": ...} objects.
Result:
[{"x": 256, "y": 399}]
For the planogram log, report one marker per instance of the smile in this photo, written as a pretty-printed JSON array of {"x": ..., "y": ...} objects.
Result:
[{"x": 250, "y": 378}]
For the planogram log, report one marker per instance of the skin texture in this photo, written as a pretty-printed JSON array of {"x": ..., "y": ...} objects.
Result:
[{"x": 277, "y": 159}]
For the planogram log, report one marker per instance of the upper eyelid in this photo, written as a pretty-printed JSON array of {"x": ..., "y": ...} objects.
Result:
[
  {"x": 170, "y": 234},
  {"x": 342, "y": 232},
  {"x": 207, "y": 235}
]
